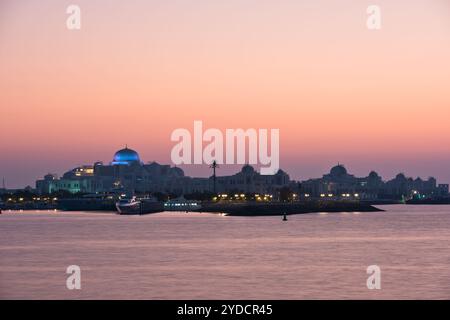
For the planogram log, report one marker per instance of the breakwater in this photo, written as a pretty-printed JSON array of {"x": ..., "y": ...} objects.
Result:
[{"x": 289, "y": 208}]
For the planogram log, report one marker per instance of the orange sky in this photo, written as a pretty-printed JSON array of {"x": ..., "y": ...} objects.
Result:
[{"x": 137, "y": 70}]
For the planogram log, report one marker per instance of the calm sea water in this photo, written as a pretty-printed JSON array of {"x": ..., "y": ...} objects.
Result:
[{"x": 208, "y": 256}]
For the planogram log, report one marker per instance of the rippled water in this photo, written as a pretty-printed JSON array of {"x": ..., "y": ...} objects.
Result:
[{"x": 208, "y": 256}]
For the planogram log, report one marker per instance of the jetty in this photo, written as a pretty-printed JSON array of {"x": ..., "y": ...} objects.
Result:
[{"x": 288, "y": 208}]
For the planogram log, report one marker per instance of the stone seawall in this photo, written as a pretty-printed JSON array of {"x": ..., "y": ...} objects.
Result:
[{"x": 274, "y": 209}]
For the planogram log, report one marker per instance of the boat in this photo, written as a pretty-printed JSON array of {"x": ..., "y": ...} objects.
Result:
[
  {"x": 181, "y": 204},
  {"x": 139, "y": 205}
]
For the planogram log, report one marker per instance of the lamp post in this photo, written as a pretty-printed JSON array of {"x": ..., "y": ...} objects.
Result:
[{"x": 214, "y": 165}]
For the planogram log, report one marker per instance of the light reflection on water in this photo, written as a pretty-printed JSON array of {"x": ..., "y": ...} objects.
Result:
[{"x": 211, "y": 256}]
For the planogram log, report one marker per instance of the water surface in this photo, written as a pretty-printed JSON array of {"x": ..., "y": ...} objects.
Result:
[{"x": 209, "y": 256}]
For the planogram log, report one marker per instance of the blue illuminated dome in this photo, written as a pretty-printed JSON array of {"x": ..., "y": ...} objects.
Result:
[{"x": 126, "y": 156}]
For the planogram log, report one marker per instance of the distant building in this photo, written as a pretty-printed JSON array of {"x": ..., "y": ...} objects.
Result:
[
  {"x": 11, "y": 191},
  {"x": 338, "y": 183},
  {"x": 248, "y": 180},
  {"x": 127, "y": 173},
  {"x": 403, "y": 186},
  {"x": 443, "y": 190},
  {"x": 51, "y": 184}
]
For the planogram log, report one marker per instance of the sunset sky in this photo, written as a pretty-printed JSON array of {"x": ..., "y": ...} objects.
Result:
[{"x": 137, "y": 70}]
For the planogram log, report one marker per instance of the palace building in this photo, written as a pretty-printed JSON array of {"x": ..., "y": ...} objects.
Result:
[
  {"x": 126, "y": 172},
  {"x": 340, "y": 184}
]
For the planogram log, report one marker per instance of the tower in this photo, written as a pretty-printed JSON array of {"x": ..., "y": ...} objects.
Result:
[{"x": 214, "y": 165}]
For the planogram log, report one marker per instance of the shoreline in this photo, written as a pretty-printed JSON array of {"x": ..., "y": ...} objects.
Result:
[{"x": 258, "y": 209}]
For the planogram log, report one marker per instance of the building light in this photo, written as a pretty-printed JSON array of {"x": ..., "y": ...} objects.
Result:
[
  {"x": 322, "y": 195},
  {"x": 330, "y": 195},
  {"x": 356, "y": 195}
]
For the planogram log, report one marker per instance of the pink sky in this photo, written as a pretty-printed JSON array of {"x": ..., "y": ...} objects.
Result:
[{"x": 137, "y": 70}]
